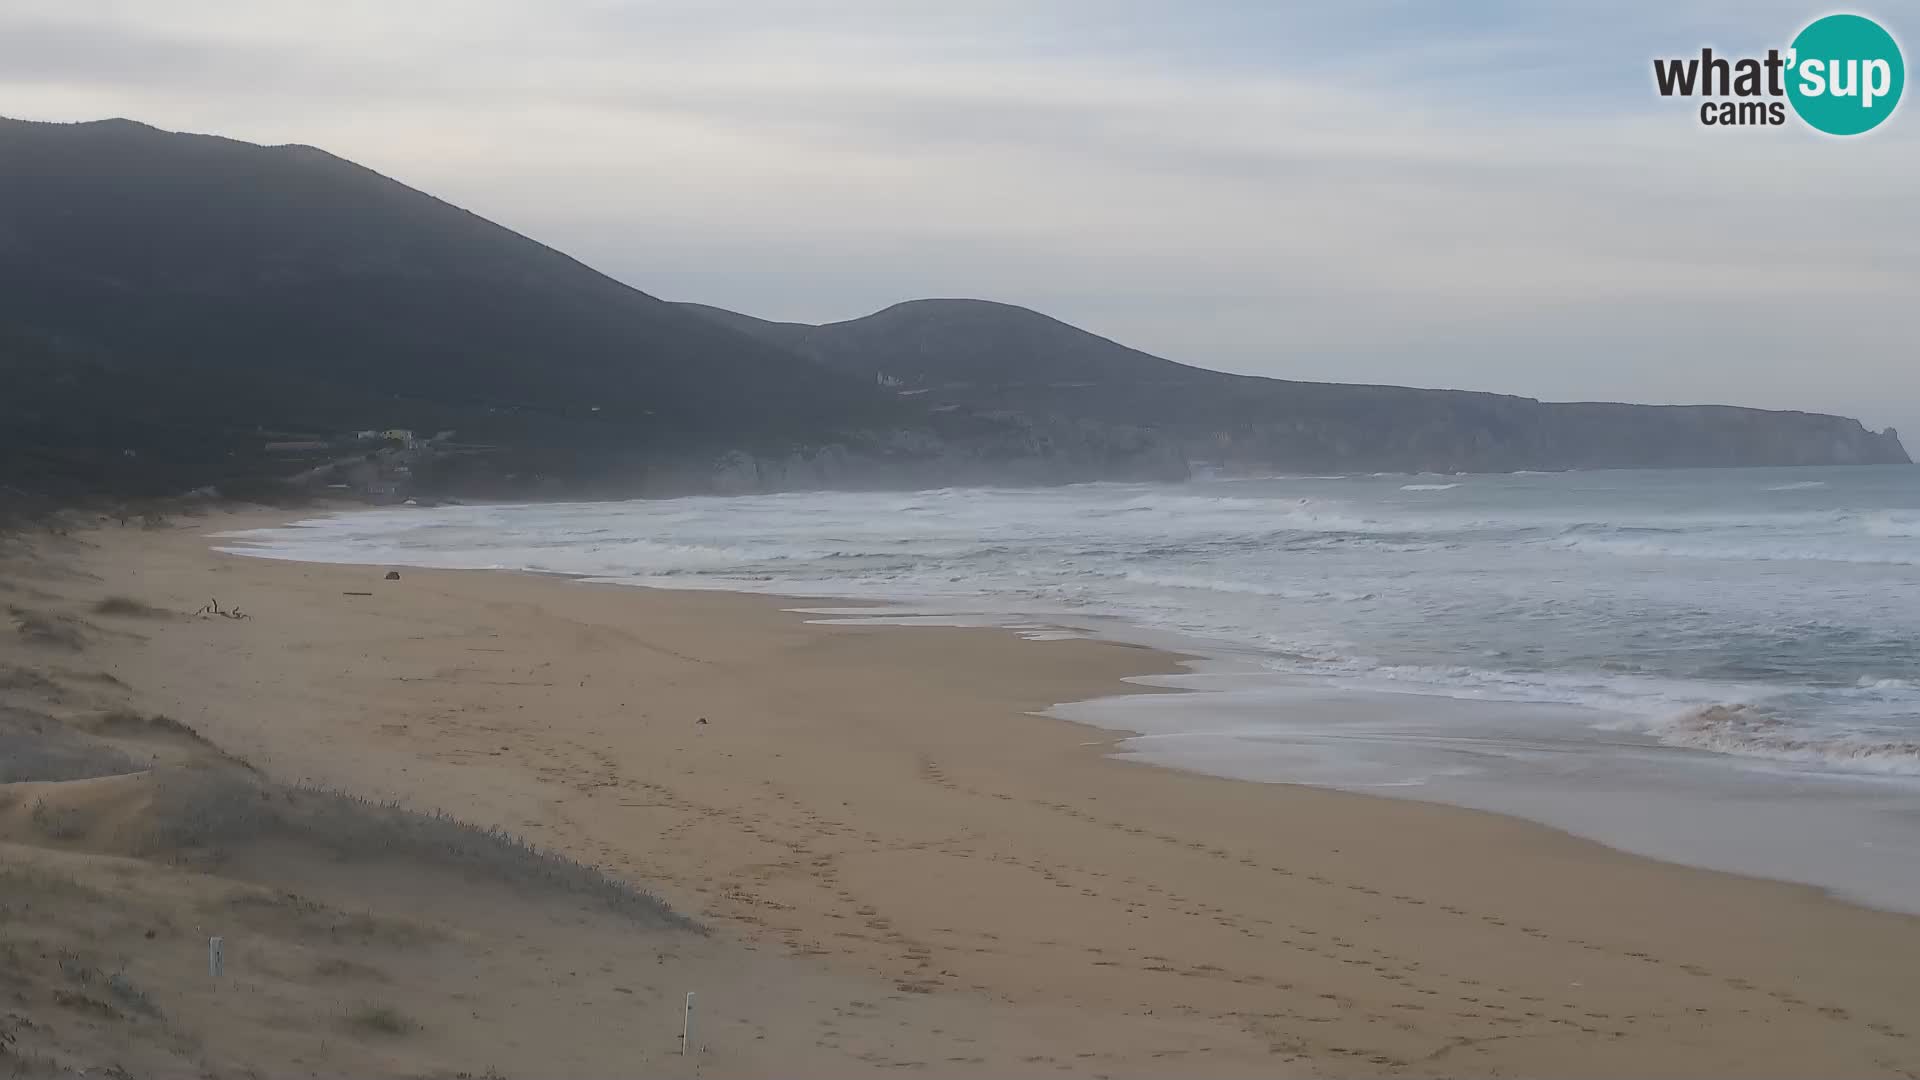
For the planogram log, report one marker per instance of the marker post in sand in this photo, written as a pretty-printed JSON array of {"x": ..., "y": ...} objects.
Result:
[
  {"x": 216, "y": 957},
  {"x": 686, "y": 1028}
]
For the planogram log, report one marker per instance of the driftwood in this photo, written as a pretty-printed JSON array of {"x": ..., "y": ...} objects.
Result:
[{"x": 213, "y": 608}]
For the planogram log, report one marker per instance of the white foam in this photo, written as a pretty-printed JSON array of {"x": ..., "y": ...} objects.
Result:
[
  {"x": 1428, "y": 487},
  {"x": 1811, "y": 551},
  {"x": 1244, "y": 588},
  {"x": 1751, "y": 731},
  {"x": 1893, "y": 527}
]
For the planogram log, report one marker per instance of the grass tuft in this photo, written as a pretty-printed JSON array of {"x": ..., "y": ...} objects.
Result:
[
  {"x": 337, "y": 967},
  {"x": 33, "y": 747},
  {"x": 130, "y": 995},
  {"x": 225, "y": 809},
  {"x": 124, "y": 719},
  {"x": 381, "y": 1020},
  {"x": 57, "y": 822},
  {"x": 14, "y": 677},
  {"x": 40, "y": 628},
  {"x": 128, "y": 606}
]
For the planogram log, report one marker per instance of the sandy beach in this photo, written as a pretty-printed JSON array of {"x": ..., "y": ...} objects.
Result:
[{"x": 903, "y": 867}]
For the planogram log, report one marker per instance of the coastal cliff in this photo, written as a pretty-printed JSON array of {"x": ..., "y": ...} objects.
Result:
[{"x": 980, "y": 355}]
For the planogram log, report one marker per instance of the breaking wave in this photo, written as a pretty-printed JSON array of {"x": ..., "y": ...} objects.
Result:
[{"x": 1753, "y": 731}]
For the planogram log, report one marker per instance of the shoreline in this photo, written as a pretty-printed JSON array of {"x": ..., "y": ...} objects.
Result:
[
  {"x": 1106, "y": 714},
  {"x": 1558, "y": 769},
  {"x": 1576, "y": 769},
  {"x": 1002, "y": 852}
]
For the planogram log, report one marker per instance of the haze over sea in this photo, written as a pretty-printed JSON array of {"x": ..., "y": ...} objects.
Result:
[{"x": 1720, "y": 667}]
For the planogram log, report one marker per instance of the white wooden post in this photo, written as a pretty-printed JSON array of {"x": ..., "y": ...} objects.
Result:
[
  {"x": 686, "y": 1028},
  {"x": 216, "y": 957}
]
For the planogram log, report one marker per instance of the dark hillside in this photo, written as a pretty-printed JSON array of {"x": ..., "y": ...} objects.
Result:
[
  {"x": 982, "y": 355},
  {"x": 168, "y": 303}
]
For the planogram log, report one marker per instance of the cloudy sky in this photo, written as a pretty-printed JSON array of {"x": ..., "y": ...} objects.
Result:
[{"x": 1477, "y": 194}]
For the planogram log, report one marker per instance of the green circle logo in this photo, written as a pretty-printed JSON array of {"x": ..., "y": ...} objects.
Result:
[{"x": 1845, "y": 74}]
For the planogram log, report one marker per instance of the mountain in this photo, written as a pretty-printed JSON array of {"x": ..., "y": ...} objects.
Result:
[
  {"x": 179, "y": 296},
  {"x": 179, "y": 310},
  {"x": 975, "y": 354}
]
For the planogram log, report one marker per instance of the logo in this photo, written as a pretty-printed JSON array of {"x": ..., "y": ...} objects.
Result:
[{"x": 1842, "y": 75}]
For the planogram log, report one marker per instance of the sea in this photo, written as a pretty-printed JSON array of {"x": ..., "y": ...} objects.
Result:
[{"x": 1719, "y": 666}]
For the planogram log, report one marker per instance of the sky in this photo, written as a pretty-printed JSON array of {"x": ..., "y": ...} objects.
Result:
[{"x": 1479, "y": 194}]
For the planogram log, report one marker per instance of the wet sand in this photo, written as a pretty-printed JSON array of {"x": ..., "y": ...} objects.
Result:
[{"x": 881, "y": 805}]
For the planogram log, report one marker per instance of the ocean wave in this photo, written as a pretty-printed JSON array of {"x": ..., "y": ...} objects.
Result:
[
  {"x": 1747, "y": 730},
  {"x": 1276, "y": 476},
  {"x": 1428, "y": 487},
  {"x": 1244, "y": 588},
  {"x": 1799, "y": 485},
  {"x": 1889, "y": 527},
  {"x": 1644, "y": 548},
  {"x": 1634, "y": 699},
  {"x": 1200, "y": 502}
]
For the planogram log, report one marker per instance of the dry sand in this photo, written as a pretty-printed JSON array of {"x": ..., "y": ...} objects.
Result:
[{"x": 904, "y": 868}]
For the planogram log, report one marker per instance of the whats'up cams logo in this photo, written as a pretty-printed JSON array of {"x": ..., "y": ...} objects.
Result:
[{"x": 1842, "y": 75}]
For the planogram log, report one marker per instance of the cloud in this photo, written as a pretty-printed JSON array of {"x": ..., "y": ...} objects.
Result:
[{"x": 1485, "y": 195}]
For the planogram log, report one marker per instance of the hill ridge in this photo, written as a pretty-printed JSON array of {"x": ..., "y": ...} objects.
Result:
[{"x": 989, "y": 354}]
